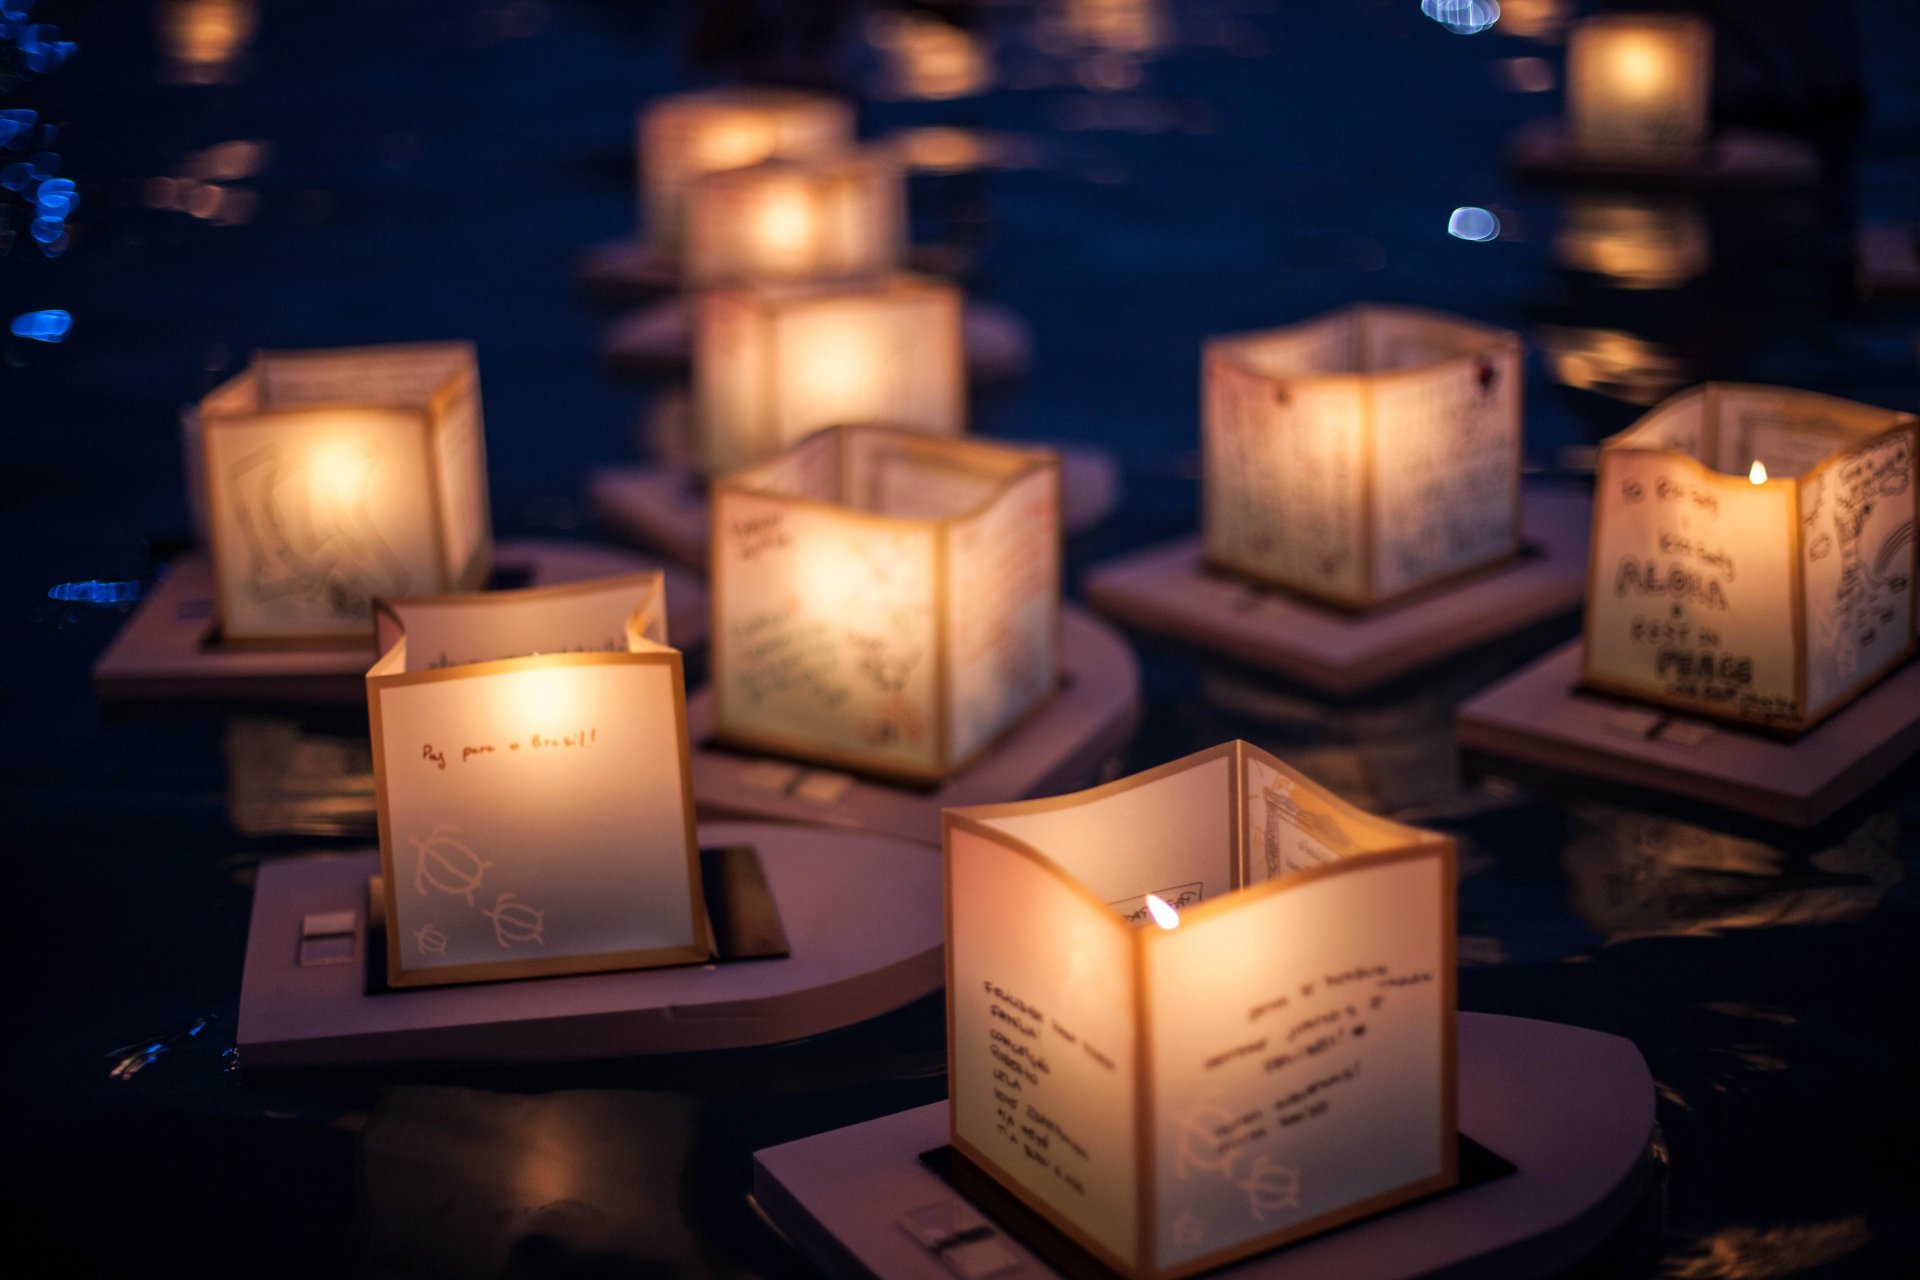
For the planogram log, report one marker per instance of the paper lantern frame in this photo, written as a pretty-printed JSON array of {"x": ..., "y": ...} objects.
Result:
[
  {"x": 646, "y": 649},
  {"x": 828, "y": 453},
  {"x": 848, "y": 213},
  {"x": 767, "y": 123},
  {"x": 1420, "y": 846},
  {"x": 400, "y": 383},
  {"x": 1593, "y": 92},
  {"x": 1349, "y": 353},
  {"x": 1679, "y": 435},
  {"x": 743, "y": 395}
]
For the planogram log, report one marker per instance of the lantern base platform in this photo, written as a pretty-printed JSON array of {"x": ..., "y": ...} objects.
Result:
[
  {"x": 1169, "y": 591},
  {"x": 1571, "y": 1109},
  {"x": 1060, "y": 747},
  {"x": 1889, "y": 259},
  {"x": 625, "y": 269},
  {"x": 1540, "y": 716},
  {"x": 659, "y": 339},
  {"x": 862, "y": 917},
  {"x": 1735, "y": 160},
  {"x": 168, "y": 652},
  {"x": 664, "y": 507}
]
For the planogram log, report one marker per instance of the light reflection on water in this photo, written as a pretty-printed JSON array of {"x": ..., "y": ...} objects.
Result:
[{"x": 205, "y": 41}]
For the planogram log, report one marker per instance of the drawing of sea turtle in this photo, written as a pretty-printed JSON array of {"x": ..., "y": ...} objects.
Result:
[
  {"x": 447, "y": 864},
  {"x": 516, "y": 922}
]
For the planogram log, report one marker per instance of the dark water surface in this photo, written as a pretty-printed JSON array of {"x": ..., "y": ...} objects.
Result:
[{"x": 379, "y": 170}]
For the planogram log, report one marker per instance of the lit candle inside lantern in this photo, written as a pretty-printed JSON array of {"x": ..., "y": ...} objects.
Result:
[
  {"x": 1279, "y": 1062},
  {"x": 1637, "y": 84},
  {"x": 771, "y": 365},
  {"x": 532, "y": 785},
  {"x": 885, "y": 601},
  {"x": 1753, "y": 554},
  {"x": 332, "y": 477},
  {"x": 685, "y": 136},
  {"x": 791, "y": 222},
  {"x": 1364, "y": 454}
]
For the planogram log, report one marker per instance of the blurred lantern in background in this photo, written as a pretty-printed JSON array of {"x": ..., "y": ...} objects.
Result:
[
  {"x": 1637, "y": 85},
  {"x": 684, "y": 136},
  {"x": 798, "y": 221},
  {"x": 885, "y": 601},
  {"x": 1636, "y": 242}
]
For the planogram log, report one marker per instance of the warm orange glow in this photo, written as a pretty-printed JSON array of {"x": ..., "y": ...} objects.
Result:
[
  {"x": 1641, "y": 67},
  {"x": 1163, "y": 914},
  {"x": 1757, "y": 472}
]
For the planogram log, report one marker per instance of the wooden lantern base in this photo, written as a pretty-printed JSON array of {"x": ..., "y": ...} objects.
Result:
[
  {"x": 862, "y": 916},
  {"x": 1168, "y": 591},
  {"x": 1736, "y": 160},
  {"x": 1571, "y": 1109},
  {"x": 1061, "y": 747},
  {"x": 1889, "y": 259},
  {"x": 168, "y": 653},
  {"x": 659, "y": 339},
  {"x": 1539, "y": 716},
  {"x": 664, "y": 507}
]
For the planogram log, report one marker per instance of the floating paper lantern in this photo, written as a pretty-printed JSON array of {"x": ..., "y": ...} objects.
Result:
[
  {"x": 535, "y": 801},
  {"x": 1637, "y": 84},
  {"x": 1200, "y": 1012},
  {"x": 885, "y": 601},
  {"x": 797, "y": 221},
  {"x": 1635, "y": 242},
  {"x": 1753, "y": 554},
  {"x": 1362, "y": 455},
  {"x": 332, "y": 477},
  {"x": 685, "y": 135},
  {"x": 771, "y": 365}
]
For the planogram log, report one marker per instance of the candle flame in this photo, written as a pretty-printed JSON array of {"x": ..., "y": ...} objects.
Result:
[
  {"x": 1162, "y": 912},
  {"x": 1757, "y": 472}
]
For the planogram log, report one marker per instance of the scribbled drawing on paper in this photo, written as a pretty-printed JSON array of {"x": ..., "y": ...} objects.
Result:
[
  {"x": 1189, "y": 1228},
  {"x": 1872, "y": 583},
  {"x": 1271, "y": 1187},
  {"x": 516, "y": 922},
  {"x": 447, "y": 864},
  {"x": 429, "y": 940},
  {"x": 309, "y": 530},
  {"x": 1198, "y": 1150}
]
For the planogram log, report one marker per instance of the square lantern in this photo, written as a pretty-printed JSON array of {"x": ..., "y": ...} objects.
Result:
[
  {"x": 1200, "y": 1012},
  {"x": 1637, "y": 84},
  {"x": 685, "y": 135},
  {"x": 332, "y": 477},
  {"x": 885, "y": 601},
  {"x": 1362, "y": 455},
  {"x": 535, "y": 803},
  {"x": 771, "y": 365},
  {"x": 1753, "y": 554},
  {"x": 798, "y": 221}
]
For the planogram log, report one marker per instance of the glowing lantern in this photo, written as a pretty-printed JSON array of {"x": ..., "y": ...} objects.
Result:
[
  {"x": 332, "y": 477},
  {"x": 1635, "y": 242},
  {"x": 1753, "y": 554},
  {"x": 771, "y": 365},
  {"x": 1265, "y": 1054},
  {"x": 535, "y": 803},
  {"x": 796, "y": 222},
  {"x": 1362, "y": 455},
  {"x": 685, "y": 135},
  {"x": 1637, "y": 84},
  {"x": 885, "y": 601}
]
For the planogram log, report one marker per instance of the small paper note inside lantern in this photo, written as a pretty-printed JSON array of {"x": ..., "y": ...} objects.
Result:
[
  {"x": 1202, "y": 1011},
  {"x": 773, "y": 364},
  {"x": 686, "y": 135},
  {"x": 885, "y": 601},
  {"x": 1364, "y": 454},
  {"x": 1753, "y": 554},
  {"x": 1637, "y": 84},
  {"x": 798, "y": 222},
  {"x": 333, "y": 477},
  {"x": 534, "y": 794}
]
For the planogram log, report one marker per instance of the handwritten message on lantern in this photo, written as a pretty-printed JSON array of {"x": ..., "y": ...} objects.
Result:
[
  {"x": 530, "y": 764},
  {"x": 885, "y": 601},
  {"x": 1180, "y": 1087},
  {"x": 334, "y": 477},
  {"x": 1364, "y": 454},
  {"x": 1754, "y": 554}
]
